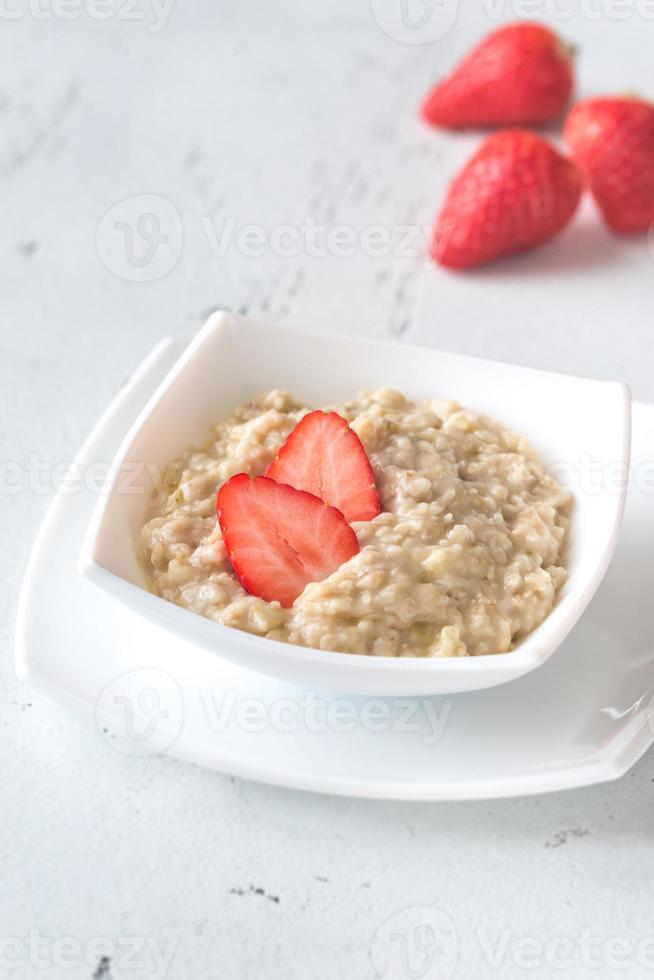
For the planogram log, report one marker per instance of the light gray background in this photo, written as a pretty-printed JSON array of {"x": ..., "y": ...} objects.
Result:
[{"x": 273, "y": 112}]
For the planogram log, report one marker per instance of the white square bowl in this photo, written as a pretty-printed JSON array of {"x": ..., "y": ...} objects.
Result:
[{"x": 578, "y": 426}]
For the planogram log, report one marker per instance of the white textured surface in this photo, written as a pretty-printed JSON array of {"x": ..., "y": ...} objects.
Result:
[{"x": 274, "y": 113}]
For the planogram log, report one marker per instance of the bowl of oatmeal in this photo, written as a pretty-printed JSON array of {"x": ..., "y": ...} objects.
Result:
[{"x": 481, "y": 539}]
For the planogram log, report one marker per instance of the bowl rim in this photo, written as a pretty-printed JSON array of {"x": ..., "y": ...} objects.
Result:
[{"x": 529, "y": 653}]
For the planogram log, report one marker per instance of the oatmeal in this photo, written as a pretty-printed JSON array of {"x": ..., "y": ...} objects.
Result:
[{"x": 465, "y": 558}]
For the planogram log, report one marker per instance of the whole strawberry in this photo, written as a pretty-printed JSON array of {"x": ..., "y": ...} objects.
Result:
[
  {"x": 517, "y": 76},
  {"x": 516, "y": 192},
  {"x": 612, "y": 140}
]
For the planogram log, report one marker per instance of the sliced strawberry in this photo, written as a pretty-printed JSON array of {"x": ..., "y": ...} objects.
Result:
[
  {"x": 279, "y": 539},
  {"x": 324, "y": 456}
]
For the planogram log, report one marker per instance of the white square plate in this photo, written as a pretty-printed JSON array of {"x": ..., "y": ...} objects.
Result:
[
  {"x": 583, "y": 718},
  {"x": 578, "y": 426}
]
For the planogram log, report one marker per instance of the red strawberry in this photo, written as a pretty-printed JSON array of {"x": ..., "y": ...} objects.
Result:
[
  {"x": 324, "y": 456},
  {"x": 612, "y": 140},
  {"x": 279, "y": 539},
  {"x": 516, "y": 192},
  {"x": 518, "y": 75}
]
